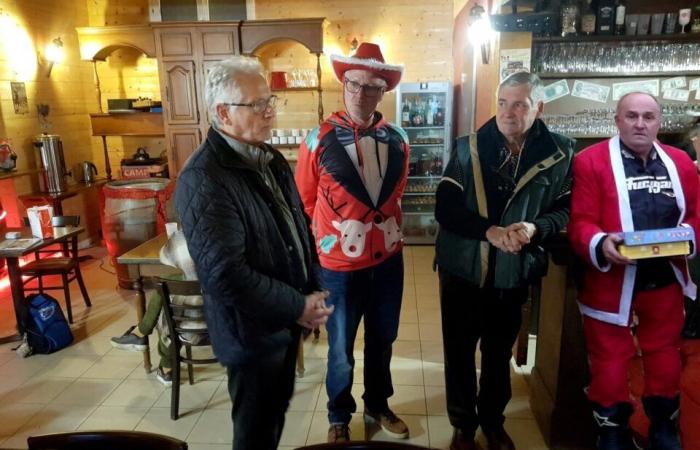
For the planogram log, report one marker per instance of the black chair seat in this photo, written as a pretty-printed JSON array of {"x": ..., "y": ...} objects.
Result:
[{"x": 105, "y": 440}]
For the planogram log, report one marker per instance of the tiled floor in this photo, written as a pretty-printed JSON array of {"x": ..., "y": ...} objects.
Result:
[{"x": 90, "y": 385}]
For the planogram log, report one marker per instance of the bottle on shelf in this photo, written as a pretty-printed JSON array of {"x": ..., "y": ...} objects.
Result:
[
  {"x": 588, "y": 18},
  {"x": 439, "y": 119},
  {"x": 405, "y": 114},
  {"x": 417, "y": 120},
  {"x": 605, "y": 21},
  {"x": 569, "y": 18},
  {"x": 620, "y": 10},
  {"x": 429, "y": 117}
]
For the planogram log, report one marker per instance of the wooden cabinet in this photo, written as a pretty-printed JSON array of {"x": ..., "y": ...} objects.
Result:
[
  {"x": 180, "y": 104},
  {"x": 187, "y": 51},
  {"x": 182, "y": 142}
]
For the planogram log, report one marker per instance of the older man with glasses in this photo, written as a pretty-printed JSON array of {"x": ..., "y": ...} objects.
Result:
[
  {"x": 351, "y": 174},
  {"x": 250, "y": 241}
]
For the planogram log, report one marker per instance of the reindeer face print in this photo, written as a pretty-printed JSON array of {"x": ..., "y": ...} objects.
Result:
[
  {"x": 392, "y": 233},
  {"x": 352, "y": 236}
]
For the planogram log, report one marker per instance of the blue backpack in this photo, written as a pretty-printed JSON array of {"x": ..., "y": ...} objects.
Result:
[{"x": 47, "y": 328}]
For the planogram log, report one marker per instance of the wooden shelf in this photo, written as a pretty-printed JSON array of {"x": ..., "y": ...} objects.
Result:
[
  {"x": 128, "y": 124},
  {"x": 665, "y": 38},
  {"x": 4, "y": 174}
]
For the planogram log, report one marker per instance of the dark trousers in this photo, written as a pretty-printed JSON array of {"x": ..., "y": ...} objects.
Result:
[
  {"x": 470, "y": 314},
  {"x": 260, "y": 393},
  {"x": 375, "y": 293}
]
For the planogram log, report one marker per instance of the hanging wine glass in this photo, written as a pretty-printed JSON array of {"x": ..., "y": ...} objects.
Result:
[{"x": 683, "y": 18}]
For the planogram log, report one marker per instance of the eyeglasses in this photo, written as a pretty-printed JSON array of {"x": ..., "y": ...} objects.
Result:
[
  {"x": 259, "y": 106},
  {"x": 354, "y": 87}
]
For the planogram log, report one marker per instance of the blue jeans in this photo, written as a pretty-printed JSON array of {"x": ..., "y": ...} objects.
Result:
[{"x": 376, "y": 293}]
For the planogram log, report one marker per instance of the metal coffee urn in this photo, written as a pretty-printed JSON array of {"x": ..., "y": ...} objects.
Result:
[{"x": 50, "y": 163}]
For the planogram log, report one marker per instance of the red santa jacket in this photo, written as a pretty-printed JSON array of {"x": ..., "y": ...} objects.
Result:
[
  {"x": 600, "y": 205},
  {"x": 352, "y": 231}
]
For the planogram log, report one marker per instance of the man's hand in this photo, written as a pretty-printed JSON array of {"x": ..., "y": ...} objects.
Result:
[
  {"x": 520, "y": 234},
  {"x": 512, "y": 238},
  {"x": 315, "y": 310},
  {"x": 610, "y": 249}
]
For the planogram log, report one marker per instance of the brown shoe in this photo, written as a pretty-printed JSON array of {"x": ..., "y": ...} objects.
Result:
[
  {"x": 498, "y": 439},
  {"x": 461, "y": 441},
  {"x": 387, "y": 420},
  {"x": 338, "y": 432}
]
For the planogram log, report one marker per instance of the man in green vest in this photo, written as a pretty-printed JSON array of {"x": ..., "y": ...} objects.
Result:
[{"x": 504, "y": 192}]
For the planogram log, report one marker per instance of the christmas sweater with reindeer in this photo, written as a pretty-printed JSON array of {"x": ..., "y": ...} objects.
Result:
[{"x": 351, "y": 180}]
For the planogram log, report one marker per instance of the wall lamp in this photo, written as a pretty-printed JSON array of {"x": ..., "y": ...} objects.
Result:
[
  {"x": 52, "y": 54},
  {"x": 480, "y": 32}
]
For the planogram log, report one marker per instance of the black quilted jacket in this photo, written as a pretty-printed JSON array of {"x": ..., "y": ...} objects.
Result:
[{"x": 250, "y": 271}]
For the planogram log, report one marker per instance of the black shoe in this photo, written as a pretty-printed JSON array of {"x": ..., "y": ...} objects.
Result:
[
  {"x": 613, "y": 426},
  {"x": 663, "y": 429},
  {"x": 498, "y": 439},
  {"x": 461, "y": 441}
]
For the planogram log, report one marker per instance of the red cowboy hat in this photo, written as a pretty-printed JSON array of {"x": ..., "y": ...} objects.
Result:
[{"x": 369, "y": 57}]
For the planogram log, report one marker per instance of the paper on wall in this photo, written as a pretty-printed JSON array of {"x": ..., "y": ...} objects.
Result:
[
  {"x": 679, "y": 95},
  {"x": 672, "y": 83},
  {"x": 590, "y": 91},
  {"x": 514, "y": 60},
  {"x": 556, "y": 90},
  {"x": 648, "y": 86},
  {"x": 694, "y": 84}
]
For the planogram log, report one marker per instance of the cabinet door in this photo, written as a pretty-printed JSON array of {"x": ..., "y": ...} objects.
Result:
[
  {"x": 180, "y": 93},
  {"x": 175, "y": 42},
  {"x": 219, "y": 42},
  {"x": 183, "y": 142}
]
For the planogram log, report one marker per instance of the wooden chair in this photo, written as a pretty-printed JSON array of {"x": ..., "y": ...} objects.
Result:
[
  {"x": 105, "y": 440},
  {"x": 68, "y": 267},
  {"x": 187, "y": 337}
]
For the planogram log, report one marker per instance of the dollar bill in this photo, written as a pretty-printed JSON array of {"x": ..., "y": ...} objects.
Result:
[
  {"x": 648, "y": 86},
  {"x": 679, "y": 95},
  {"x": 672, "y": 83},
  {"x": 694, "y": 84},
  {"x": 590, "y": 91},
  {"x": 556, "y": 90}
]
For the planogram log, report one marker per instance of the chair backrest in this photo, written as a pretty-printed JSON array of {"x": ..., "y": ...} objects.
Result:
[
  {"x": 363, "y": 445},
  {"x": 105, "y": 440},
  {"x": 64, "y": 221},
  {"x": 185, "y": 319}
]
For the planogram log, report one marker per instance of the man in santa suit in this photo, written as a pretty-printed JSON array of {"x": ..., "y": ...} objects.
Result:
[{"x": 632, "y": 182}]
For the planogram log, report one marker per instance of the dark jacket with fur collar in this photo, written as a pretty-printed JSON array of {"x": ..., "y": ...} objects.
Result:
[{"x": 251, "y": 273}]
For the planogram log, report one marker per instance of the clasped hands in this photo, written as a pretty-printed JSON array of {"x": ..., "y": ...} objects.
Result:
[
  {"x": 512, "y": 238},
  {"x": 315, "y": 310}
]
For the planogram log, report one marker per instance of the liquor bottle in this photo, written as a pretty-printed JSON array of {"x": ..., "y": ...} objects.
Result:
[
  {"x": 439, "y": 119},
  {"x": 620, "y": 10},
  {"x": 405, "y": 114},
  {"x": 605, "y": 22},
  {"x": 429, "y": 118},
  {"x": 588, "y": 19},
  {"x": 569, "y": 18},
  {"x": 418, "y": 119}
]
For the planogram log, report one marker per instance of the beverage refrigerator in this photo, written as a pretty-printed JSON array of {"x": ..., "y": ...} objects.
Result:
[{"x": 424, "y": 111}]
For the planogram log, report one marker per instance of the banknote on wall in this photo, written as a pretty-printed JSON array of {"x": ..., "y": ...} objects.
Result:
[
  {"x": 648, "y": 86},
  {"x": 590, "y": 91}
]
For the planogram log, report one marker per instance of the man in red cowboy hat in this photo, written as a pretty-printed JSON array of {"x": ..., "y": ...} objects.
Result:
[{"x": 351, "y": 174}]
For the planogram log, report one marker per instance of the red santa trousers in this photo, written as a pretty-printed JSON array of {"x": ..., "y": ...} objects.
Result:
[{"x": 611, "y": 348}]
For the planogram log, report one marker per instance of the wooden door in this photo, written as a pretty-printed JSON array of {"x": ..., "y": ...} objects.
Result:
[
  {"x": 180, "y": 104},
  {"x": 183, "y": 142}
]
